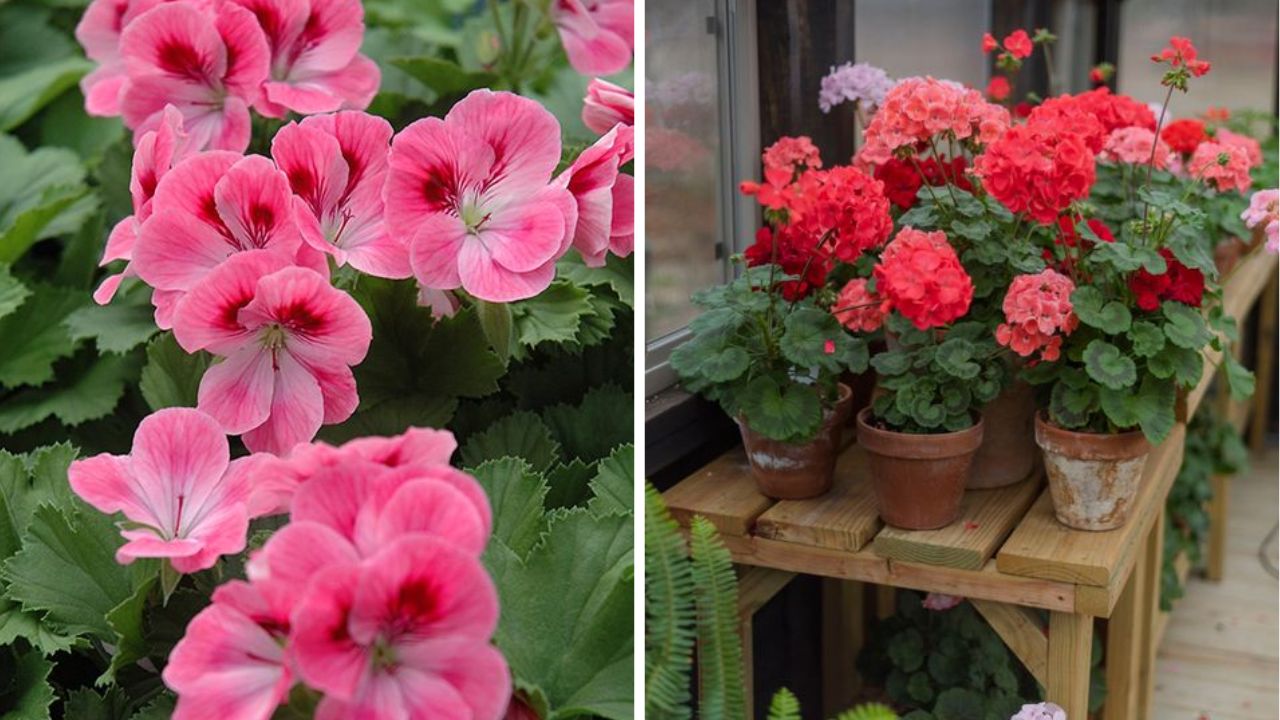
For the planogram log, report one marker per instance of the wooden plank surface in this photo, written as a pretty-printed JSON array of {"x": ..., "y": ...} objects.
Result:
[
  {"x": 844, "y": 519},
  {"x": 1023, "y": 631},
  {"x": 723, "y": 492},
  {"x": 986, "y": 519},
  {"x": 1044, "y": 548}
]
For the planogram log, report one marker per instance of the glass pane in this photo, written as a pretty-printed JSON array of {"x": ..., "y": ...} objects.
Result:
[
  {"x": 924, "y": 37},
  {"x": 1237, "y": 36},
  {"x": 681, "y": 161}
]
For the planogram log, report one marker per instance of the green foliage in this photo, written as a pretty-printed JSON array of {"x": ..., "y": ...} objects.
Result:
[
  {"x": 670, "y": 614},
  {"x": 715, "y": 588}
]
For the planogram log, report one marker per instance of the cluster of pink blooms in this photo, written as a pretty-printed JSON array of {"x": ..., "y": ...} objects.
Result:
[
  {"x": 1222, "y": 166},
  {"x": 919, "y": 109},
  {"x": 1039, "y": 169},
  {"x": 940, "y": 601},
  {"x": 844, "y": 204},
  {"x": 598, "y": 35},
  {"x": 861, "y": 83},
  {"x": 920, "y": 276},
  {"x": 1264, "y": 211},
  {"x": 1040, "y": 711},
  {"x": 373, "y": 594},
  {"x": 214, "y": 61},
  {"x": 1038, "y": 313},
  {"x": 794, "y": 154},
  {"x": 1132, "y": 145},
  {"x": 858, "y": 308}
]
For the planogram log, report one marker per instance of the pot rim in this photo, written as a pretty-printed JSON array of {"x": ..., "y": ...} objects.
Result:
[
  {"x": 1101, "y": 446},
  {"x": 929, "y": 446}
]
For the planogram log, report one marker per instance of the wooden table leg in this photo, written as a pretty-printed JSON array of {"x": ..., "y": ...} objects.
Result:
[
  {"x": 1215, "y": 553},
  {"x": 886, "y": 601},
  {"x": 1125, "y": 652},
  {"x": 843, "y": 634},
  {"x": 1070, "y": 642},
  {"x": 1266, "y": 364},
  {"x": 1153, "y": 561}
]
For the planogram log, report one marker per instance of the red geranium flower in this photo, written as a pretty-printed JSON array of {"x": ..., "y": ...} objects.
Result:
[
  {"x": 845, "y": 204},
  {"x": 921, "y": 277},
  {"x": 998, "y": 89},
  {"x": 1184, "y": 136},
  {"x": 901, "y": 182},
  {"x": 1038, "y": 169},
  {"x": 1178, "y": 283},
  {"x": 792, "y": 256},
  {"x": 988, "y": 43},
  {"x": 1018, "y": 43},
  {"x": 1182, "y": 53}
]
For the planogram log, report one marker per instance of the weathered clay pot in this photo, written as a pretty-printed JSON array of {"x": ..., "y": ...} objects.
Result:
[
  {"x": 1093, "y": 477},
  {"x": 919, "y": 480},
  {"x": 1008, "y": 450},
  {"x": 794, "y": 471}
]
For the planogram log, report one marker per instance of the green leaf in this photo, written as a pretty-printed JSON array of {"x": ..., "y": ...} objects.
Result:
[
  {"x": 161, "y": 708},
  {"x": 954, "y": 357},
  {"x": 523, "y": 435},
  {"x": 807, "y": 335},
  {"x": 906, "y": 650},
  {"x": 444, "y": 78},
  {"x": 569, "y": 484},
  {"x": 171, "y": 377},
  {"x": 613, "y": 487},
  {"x": 1072, "y": 406},
  {"x": 37, "y": 63},
  {"x": 25, "y": 692},
  {"x": 554, "y": 315},
  {"x": 779, "y": 412},
  {"x": 715, "y": 588},
  {"x": 42, "y": 194},
  {"x": 959, "y": 704},
  {"x": 392, "y": 417},
  {"x": 891, "y": 362},
  {"x": 116, "y": 328},
  {"x": 1239, "y": 379},
  {"x": 126, "y": 620},
  {"x": 86, "y": 704},
  {"x": 919, "y": 687},
  {"x": 1147, "y": 337},
  {"x": 574, "y": 644},
  {"x": 1186, "y": 327},
  {"x": 784, "y": 706},
  {"x": 669, "y": 611},
  {"x": 34, "y": 336},
  {"x": 497, "y": 323},
  {"x": 618, "y": 274},
  {"x": 1106, "y": 365},
  {"x": 594, "y": 427},
  {"x": 66, "y": 124},
  {"x": 1111, "y": 317},
  {"x": 88, "y": 388},
  {"x": 516, "y": 492},
  {"x": 12, "y": 292},
  {"x": 724, "y": 365}
]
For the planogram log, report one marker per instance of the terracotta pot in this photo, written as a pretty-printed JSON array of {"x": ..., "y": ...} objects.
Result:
[
  {"x": 919, "y": 480},
  {"x": 1008, "y": 451},
  {"x": 1093, "y": 477},
  {"x": 795, "y": 471},
  {"x": 863, "y": 385}
]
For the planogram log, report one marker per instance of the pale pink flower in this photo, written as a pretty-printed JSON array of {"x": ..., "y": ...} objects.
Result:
[
  {"x": 404, "y": 635},
  {"x": 316, "y": 65},
  {"x": 939, "y": 601},
  {"x": 441, "y": 303},
  {"x": 1263, "y": 210},
  {"x": 337, "y": 165},
  {"x": 473, "y": 193},
  {"x": 604, "y": 195},
  {"x": 1038, "y": 313},
  {"x": 288, "y": 339},
  {"x": 182, "y": 496},
  {"x": 1040, "y": 711},
  {"x": 207, "y": 208},
  {"x": 208, "y": 64},
  {"x": 1221, "y": 166},
  {"x": 597, "y": 34},
  {"x": 99, "y": 34},
  {"x": 1251, "y": 147},
  {"x": 1132, "y": 145},
  {"x": 156, "y": 152},
  {"x": 231, "y": 662},
  {"x": 918, "y": 109},
  {"x": 607, "y": 105}
]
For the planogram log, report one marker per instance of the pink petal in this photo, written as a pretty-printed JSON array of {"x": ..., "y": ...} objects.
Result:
[
  {"x": 211, "y": 317},
  {"x": 255, "y": 203},
  {"x": 105, "y": 482},
  {"x": 229, "y": 129},
  {"x": 238, "y": 391},
  {"x": 146, "y": 544},
  {"x": 248, "y": 55},
  {"x": 606, "y": 105},
  {"x": 297, "y": 410},
  {"x": 524, "y": 237},
  {"x": 456, "y": 479},
  {"x": 622, "y": 240},
  {"x": 474, "y": 671},
  {"x": 107, "y": 290},
  {"x": 334, "y": 31},
  {"x": 486, "y": 279},
  {"x": 592, "y": 48},
  {"x": 98, "y": 31},
  {"x": 365, "y": 141},
  {"x": 326, "y": 656},
  {"x": 334, "y": 495},
  {"x": 323, "y": 326},
  {"x": 292, "y": 557},
  {"x": 435, "y": 249},
  {"x": 174, "y": 251},
  {"x": 429, "y": 507},
  {"x": 182, "y": 454},
  {"x": 382, "y": 256},
  {"x": 338, "y": 387},
  {"x": 220, "y": 531},
  {"x": 312, "y": 160},
  {"x": 416, "y": 447},
  {"x": 227, "y": 666},
  {"x": 103, "y": 89},
  {"x": 429, "y": 166},
  {"x": 524, "y": 137},
  {"x": 145, "y": 97},
  {"x": 189, "y": 187},
  {"x": 166, "y": 303},
  {"x": 175, "y": 40}
]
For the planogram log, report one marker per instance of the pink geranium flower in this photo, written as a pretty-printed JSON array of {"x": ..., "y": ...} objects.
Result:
[
  {"x": 182, "y": 496},
  {"x": 209, "y": 64},
  {"x": 207, "y": 208},
  {"x": 99, "y": 32},
  {"x": 473, "y": 193},
  {"x": 604, "y": 195},
  {"x": 157, "y": 151},
  {"x": 315, "y": 64},
  {"x": 404, "y": 635},
  {"x": 231, "y": 663},
  {"x": 607, "y": 105},
  {"x": 597, "y": 34},
  {"x": 288, "y": 339},
  {"x": 336, "y": 165}
]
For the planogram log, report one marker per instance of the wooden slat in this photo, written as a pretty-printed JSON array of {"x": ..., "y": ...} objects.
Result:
[
  {"x": 1152, "y": 563},
  {"x": 758, "y": 585},
  {"x": 1181, "y": 568},
  {"x": 987, "y": 583},
  {"x": 986, "y": 519},
  {"x": 843, "y": 631},
  {"x": 1124, "y": 649},
  {"x": 1023, "y": 631},
  {"x": 1264, "y": 368},
  {"x": 1216, "y": 547},
  {"x": 1070, "y": 642},
  {"x": 1044, "y": 548},
  {"x": 723, "y": 492},
  {"x": 844, "y": 519}
]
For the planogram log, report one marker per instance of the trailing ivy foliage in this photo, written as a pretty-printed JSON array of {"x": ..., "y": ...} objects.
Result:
[{"x": 1213, "y": 447}]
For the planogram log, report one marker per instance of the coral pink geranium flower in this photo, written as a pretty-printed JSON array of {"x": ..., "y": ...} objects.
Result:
[
  {"x": 207, "y": 208},
  {"x": 157, "y": 151},
  {"x": 604, "y": 195},
  {"x": 404, "y": 635},
  {"x": 607, "y": 105},
  {"x": 288, "y": 339},
  {"x": 182, "y": 496},
  {"x": 597, "y": 34},
  {"x": 210, "y": 65},
  {"x": 316, "y": 65},
  {"x": 231, "y": 662},
  {"x": 336, "y": 165},
  {"x": 473, "y": 192}
]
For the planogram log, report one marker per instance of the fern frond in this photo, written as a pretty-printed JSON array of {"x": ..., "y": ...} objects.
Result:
[
  {"x": 719, "y": 647},
  {"x": 868, "y": 711},
  {"x": 784, "y": 706},
  {"x": 669, "y": 613}
]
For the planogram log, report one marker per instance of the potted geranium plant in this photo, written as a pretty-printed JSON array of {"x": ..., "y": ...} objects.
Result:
[{"x": 767, "y": 349}]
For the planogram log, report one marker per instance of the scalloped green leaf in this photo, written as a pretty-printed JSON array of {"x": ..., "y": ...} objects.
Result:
[
  {"x": 1107, "y": 365},
  {"x": 1186, "y": 327},
  {"x": 954, "y": 357},
  {"x": 1147, "y": 337},
  {"x": 783, "y": 413}
]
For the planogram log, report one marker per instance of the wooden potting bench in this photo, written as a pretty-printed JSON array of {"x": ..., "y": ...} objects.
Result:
[{"x": 1007, "y": 553}]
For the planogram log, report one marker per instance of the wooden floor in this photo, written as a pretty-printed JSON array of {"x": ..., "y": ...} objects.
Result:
[{"x": 1219, "y": 658}]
